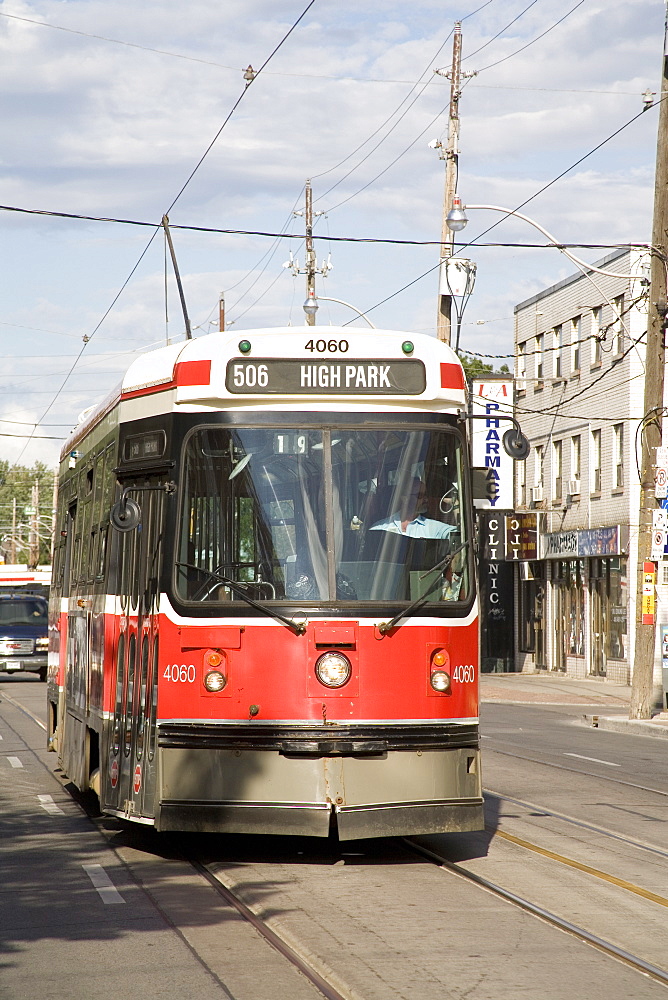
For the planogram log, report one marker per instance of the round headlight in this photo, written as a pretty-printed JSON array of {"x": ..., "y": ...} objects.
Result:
[
  {"x": 333, "y": 669},
  {"x": 215, "y": 680},
  {"x": 440, "y": 681}
]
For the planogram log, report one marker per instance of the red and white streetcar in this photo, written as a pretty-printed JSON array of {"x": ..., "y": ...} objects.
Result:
[{"x": 263, "y": 609}]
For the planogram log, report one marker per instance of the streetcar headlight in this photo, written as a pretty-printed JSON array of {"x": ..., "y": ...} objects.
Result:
[
  {"x": 333, "y": 669},
  {"x": 440, "y": 681},
  {"x": 215, "y": 680}
]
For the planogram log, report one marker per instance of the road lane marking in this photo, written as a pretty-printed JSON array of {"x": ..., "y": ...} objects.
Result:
[
  {"x": 595, "y": 760},
  {"x": 15, "y": 762},
  {"x": 622, "y": 883},
  {"x": 107, "y": 891},
  {"x": 47, "y": 803}
]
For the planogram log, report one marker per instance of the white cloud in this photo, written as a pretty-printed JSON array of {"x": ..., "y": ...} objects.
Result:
[{"x": 95, "y": 127}]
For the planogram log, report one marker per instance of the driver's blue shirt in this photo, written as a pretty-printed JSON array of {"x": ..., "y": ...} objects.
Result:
[{"x": 419, "y": 527}]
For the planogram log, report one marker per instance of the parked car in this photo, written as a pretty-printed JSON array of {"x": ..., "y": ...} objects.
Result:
[{"x": 23, "y": 633}]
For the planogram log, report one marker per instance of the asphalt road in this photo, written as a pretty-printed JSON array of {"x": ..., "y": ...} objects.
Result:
[{"x": 90, "y": 907}]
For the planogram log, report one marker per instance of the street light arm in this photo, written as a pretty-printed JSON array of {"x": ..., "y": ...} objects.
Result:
[
  {"x": 327, "y": 298},
  {"x": 557, "y": 245}
]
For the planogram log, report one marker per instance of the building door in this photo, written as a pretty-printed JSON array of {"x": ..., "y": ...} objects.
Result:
[
  {"x": 539, "y": 616},
  {"x": 561, "y": 615},
  {"x": 599, "y": 619}
]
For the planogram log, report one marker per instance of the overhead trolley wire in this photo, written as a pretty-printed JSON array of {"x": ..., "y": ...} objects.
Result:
[{"x": 172, "y": 204}]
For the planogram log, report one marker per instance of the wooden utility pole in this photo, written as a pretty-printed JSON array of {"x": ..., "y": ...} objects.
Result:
[
  {"x": 221, "y": 313},
  {"x": 443, "y": 323},
  {"x": 643, "y": 660},
  {"x": 311, "y": 264},
  {"x": 33, "y": 534}
]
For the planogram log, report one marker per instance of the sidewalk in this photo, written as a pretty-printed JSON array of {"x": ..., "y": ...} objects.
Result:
[{"x": 607, "y": 704}]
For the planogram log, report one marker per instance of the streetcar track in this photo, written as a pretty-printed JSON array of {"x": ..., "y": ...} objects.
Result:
[
  {"x": 575, "y": 770},
  {"x": 639, "y": 844},
  {"x": 306, "y": 967},
  {"x": 324, "y": 985},
  {"x": 587, "y": 869},
  {"x": 607, "y": 947}
]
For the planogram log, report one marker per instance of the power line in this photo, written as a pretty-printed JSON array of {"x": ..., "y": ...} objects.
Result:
[
  {"x": 280, "y": 235},
  {"x": 174, "y": 201},
  {"x": 463, "y": 246},
  {"x": 534, "y": 40},
  {"x": 494, "y": 37}
]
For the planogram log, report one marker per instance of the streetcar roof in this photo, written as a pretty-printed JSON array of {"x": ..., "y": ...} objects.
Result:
[{"x": 196, "y": 369}]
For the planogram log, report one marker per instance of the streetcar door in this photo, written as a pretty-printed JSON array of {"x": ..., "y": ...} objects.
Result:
[{"x": 136, "y": 677}]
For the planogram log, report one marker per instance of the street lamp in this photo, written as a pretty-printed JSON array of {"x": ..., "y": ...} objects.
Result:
[
  {"x": 457, "y": 219},
  {"x": 310, "y": 306}
]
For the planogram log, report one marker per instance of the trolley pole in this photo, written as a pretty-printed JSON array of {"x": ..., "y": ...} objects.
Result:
[
  {"x": 643, "y": 661},
  {"x": 443, "y": 322}
]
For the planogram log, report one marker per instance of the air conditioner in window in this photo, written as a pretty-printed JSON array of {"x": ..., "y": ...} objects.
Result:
[
  {"x": 574, "y": 486},
  {"x": 536, "y": 494}
]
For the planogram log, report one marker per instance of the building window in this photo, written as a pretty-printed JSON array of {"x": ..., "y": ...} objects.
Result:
[
  {"x": 576, "y": 333},
  {"x": 557, "y": 480},
  {"x": 618, "y": 457},
  {"x": 538, "y": 466},
  {"x": 576, "y": 461},
  {"x": 556, "y": 344},
  {"x": 595, "y": 464},
  {"x": 539, "y": 357},
  {"x": 618, "y": 597},
  {"x": 596, "y": 325},
  {"x": 618, "y": 325},
  {"x": 521, "y": 370},
  {"x": 521, "y": 483}
]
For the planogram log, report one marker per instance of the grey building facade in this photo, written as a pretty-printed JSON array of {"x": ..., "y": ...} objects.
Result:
[{"x": 579, "y": 383}]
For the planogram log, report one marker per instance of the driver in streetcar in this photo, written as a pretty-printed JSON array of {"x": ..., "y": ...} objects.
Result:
[{"x": 409, "y": 519}]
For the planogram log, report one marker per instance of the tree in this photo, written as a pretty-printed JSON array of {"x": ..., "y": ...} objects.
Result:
[{"x": 475, "y": 367}]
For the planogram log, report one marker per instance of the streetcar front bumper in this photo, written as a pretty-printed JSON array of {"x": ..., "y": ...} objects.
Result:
[{"x": 302, "y": 786}]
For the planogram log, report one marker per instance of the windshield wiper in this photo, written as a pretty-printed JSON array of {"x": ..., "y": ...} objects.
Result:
[
  {"x": 416, "y": 605},
  {"x": 299, "y": 628}
]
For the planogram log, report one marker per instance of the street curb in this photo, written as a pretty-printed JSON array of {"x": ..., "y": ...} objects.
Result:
[{"x": 638, "y": 727}]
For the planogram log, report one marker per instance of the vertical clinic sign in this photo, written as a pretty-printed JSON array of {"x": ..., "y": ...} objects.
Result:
[{"x": 492, "y": 398}]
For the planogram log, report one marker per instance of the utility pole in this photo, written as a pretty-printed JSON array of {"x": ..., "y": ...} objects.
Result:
[
  {"x": 643, "y": 661},
  {"x": 443, "y": 322},
  {"x": 311, "y": 264},
  {"x": 13, "y": 541},
  {"x": 33, "y": 536},
  {"x": 310, "y": 253},
  {"x": 221, "y": 313}
]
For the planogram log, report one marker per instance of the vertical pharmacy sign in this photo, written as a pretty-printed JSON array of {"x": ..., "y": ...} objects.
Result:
[{"x": 491, "y": 398}]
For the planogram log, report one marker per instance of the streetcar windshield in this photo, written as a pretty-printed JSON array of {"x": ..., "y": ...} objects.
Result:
[{"x": 304, "y": 515}]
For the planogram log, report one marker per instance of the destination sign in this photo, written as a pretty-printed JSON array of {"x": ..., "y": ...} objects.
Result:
[{"x": 289, "y": 377}]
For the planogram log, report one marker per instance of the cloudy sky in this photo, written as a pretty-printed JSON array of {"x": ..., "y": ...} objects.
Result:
[{"x": 108, "y": 106}]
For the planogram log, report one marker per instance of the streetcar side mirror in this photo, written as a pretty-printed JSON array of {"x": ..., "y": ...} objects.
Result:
[
  {"x": 125, "y": 514},
  {"x": 516, "y": 444}
]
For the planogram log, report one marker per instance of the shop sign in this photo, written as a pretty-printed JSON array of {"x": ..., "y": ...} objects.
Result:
[
  {"x": 577, "y": 544},
  {"x": 492, "y": 398},
  {"x": 649, "y": 594},
  {"x": 521, "y": 536}
]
